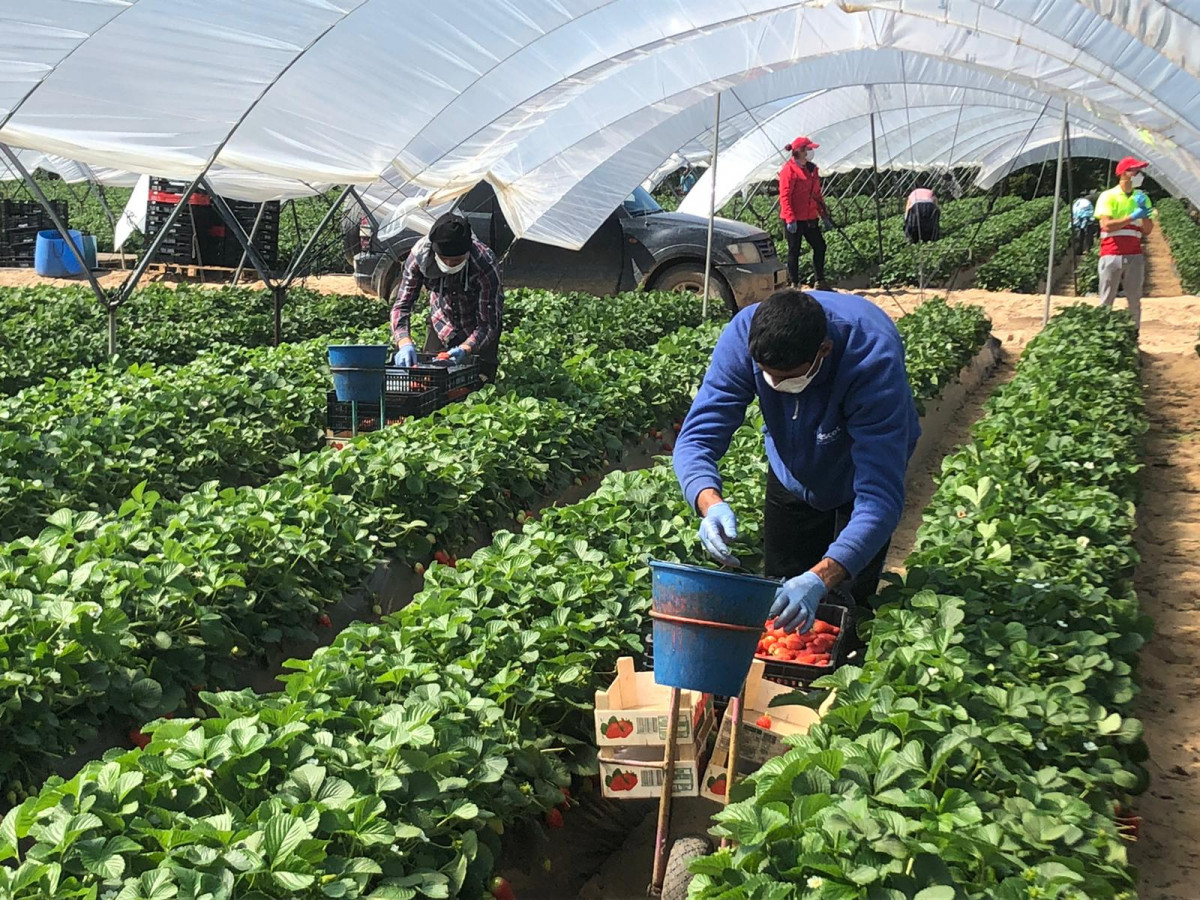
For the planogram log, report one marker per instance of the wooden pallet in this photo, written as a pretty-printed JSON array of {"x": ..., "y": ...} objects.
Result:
[{"x": 221, "y": 273}]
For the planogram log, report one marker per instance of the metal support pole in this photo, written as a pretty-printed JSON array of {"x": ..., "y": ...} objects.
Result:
[
  {"x": 875, "y": 190},
  {"x": 278, "y": 295},
  {"x": 237, "y": 274},
  {"x": 712, "y": 203},
  {"x": 1062, "y": 141},
  {"x": 112, "y": 330},
  {"x": 299, "y": 261},
  {"x": 59, "y": 226},
  {"x": 256, "y": 260}
]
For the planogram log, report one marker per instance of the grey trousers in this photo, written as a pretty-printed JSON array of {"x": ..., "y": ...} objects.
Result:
[{"x": 1128, "y": 269}]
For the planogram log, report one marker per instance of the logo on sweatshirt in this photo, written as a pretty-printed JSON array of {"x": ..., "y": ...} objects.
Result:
[{"x": 828, "y": 437}]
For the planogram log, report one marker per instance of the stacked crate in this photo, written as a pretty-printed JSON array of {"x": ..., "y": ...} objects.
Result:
[
  {"x": 200, "y": 236},
  {"x": 20, "y": 222}
]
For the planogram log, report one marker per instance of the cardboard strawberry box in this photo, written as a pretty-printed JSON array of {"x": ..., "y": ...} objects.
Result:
[
  {"x": 639, "y": 772},
  {"x": 633, "y": 711}
]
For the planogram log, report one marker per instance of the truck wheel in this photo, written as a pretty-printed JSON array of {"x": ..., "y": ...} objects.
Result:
[
  {"x": 690, "y": 277},
  {"x": 678, "y": 878}
]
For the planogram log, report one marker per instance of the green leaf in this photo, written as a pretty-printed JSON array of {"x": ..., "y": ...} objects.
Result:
[{"x": 282, "y": 835}]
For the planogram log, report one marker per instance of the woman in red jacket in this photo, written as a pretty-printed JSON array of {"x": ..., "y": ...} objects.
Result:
[{"x": 802, "y": 207}]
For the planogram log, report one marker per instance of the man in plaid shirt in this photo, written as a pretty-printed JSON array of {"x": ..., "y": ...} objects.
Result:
[{"x": 466, "y": 298}]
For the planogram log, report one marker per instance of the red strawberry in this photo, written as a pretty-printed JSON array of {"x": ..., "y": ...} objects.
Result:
[
  {"x": 324, "y": 621},
  {"x": 764, "y": 722},
  {"x": 554, "y": 819},
  {"x": 140, "y": 740},
  {"x": 501, "y": 889},
  {"x": 626, "y": 727},
  {"x": 419, "y": 568},
  {"x": 628, "y": 781},
  {"x": 442, "y": 557}
]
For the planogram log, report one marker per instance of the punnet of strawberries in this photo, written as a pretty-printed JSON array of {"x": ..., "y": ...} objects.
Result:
[{"x": 811, "y": 649}]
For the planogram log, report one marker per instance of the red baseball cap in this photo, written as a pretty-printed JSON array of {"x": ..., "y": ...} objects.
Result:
[
  {"x": 1130, "y": 164},
  {"x": 801, "y": 143}
]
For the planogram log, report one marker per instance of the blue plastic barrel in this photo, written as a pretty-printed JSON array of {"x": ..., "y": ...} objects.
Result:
[
  {"x": 52, "y": 258},
  {"x": 358, "y": 371},
  {"x": 706, "y": 626}
]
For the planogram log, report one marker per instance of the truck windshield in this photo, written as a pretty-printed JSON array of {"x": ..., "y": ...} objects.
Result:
[{"x": 640, "y": 203}]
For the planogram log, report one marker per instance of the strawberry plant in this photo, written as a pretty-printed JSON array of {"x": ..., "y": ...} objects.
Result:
[
  {"x": 967, "y": 245},
  {"x": 233, "y": 414},
  {"x": 1020, "y": 265},
  {"x": 52, "y": 332}
]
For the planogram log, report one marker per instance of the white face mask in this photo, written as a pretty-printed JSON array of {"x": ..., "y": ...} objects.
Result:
[
  {"x": 1138, "y": 178},
  {"x": 449, "y": 270},
  {"x": 793, "y": 385}
]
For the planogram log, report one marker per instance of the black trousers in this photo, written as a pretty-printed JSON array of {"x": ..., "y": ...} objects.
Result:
[
  {"x": 796, "y": 537},
  {"x": 810, "y": 230},
  {"x": 488, "y": 358}
]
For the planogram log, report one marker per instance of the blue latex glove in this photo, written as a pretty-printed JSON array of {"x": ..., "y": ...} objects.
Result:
[
  {"x": 1141, "y": 199},
  {"x": 795, "y": 606},
  {"x": 793, "y": 227},
  {"x": 406, "y": 356},
  {"x": 718, "y": 527},
  {"x": 1140, "y": 213},
  {"x": 459, "y": 356}
]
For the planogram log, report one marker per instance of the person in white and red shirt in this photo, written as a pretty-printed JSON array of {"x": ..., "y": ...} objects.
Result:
[
  {"x": 1125, "y": 214},
  {"x": 802, "y": 208}
]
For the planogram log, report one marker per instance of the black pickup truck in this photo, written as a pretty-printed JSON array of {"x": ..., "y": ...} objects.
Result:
[{"x": 639, "y": 245}]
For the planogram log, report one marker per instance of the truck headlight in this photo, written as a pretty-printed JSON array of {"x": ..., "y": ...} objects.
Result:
[{"x": 745, "y": 253}]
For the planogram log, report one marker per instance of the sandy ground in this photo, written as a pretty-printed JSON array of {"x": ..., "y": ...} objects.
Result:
[{"x": 1168, "y": 584}]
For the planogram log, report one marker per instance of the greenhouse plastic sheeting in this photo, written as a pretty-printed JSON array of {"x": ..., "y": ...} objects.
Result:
[{"x": 563, "y": 105}]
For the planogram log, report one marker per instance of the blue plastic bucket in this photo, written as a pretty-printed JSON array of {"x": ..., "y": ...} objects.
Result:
[
  {"x": 52, "y": 258},
  {"x": 706, "y": 626},
  {"x": 358, "y": 371}
]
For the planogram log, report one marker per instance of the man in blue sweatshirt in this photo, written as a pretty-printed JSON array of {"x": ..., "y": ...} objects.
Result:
[{"x": 840, "y": 426}]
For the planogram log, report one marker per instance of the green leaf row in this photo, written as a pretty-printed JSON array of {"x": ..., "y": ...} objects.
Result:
[
  {"x": 900, "y": 257},
  {"x": 962, "y": 247},
  {"x": 979, "y": 751},
  {"x": 1020, "y": 265},
  {"x": 128, "y": 614},
  {"x": 86, "y": 440},
  {"x": 1183, "y": 234},
  {"x": 50, "y": 332},
  {"x": 390, "y": 762}
]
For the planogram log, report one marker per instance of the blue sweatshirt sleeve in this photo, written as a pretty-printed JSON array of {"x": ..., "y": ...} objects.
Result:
[
  {"x": 882, "y": 423},
  {"x": 718, "y": 410}
]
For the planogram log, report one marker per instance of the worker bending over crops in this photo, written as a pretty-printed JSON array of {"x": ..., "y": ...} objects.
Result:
[
  {"x": 841, "y": 425},
  {"x": 1124, "y": 213},
  {"x": 466, "y": 298},
  {"x": 802, "y": 207}
]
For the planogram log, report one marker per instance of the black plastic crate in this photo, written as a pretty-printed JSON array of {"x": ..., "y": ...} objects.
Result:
[
  {"x": 451, "y": 382},
  {"x": 794, "y": 674},
  {"x": 339, "y": 415}
]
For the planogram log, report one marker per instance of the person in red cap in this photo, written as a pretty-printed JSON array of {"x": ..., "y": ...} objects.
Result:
[
  {"x": 802, "y": 206},
  {"x": 1124, "y": 214}
]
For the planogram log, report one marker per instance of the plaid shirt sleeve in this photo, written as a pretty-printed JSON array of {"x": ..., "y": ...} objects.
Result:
[
  {"x": 491, "y": 304},
  {"x": 406, "y": 297}
]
